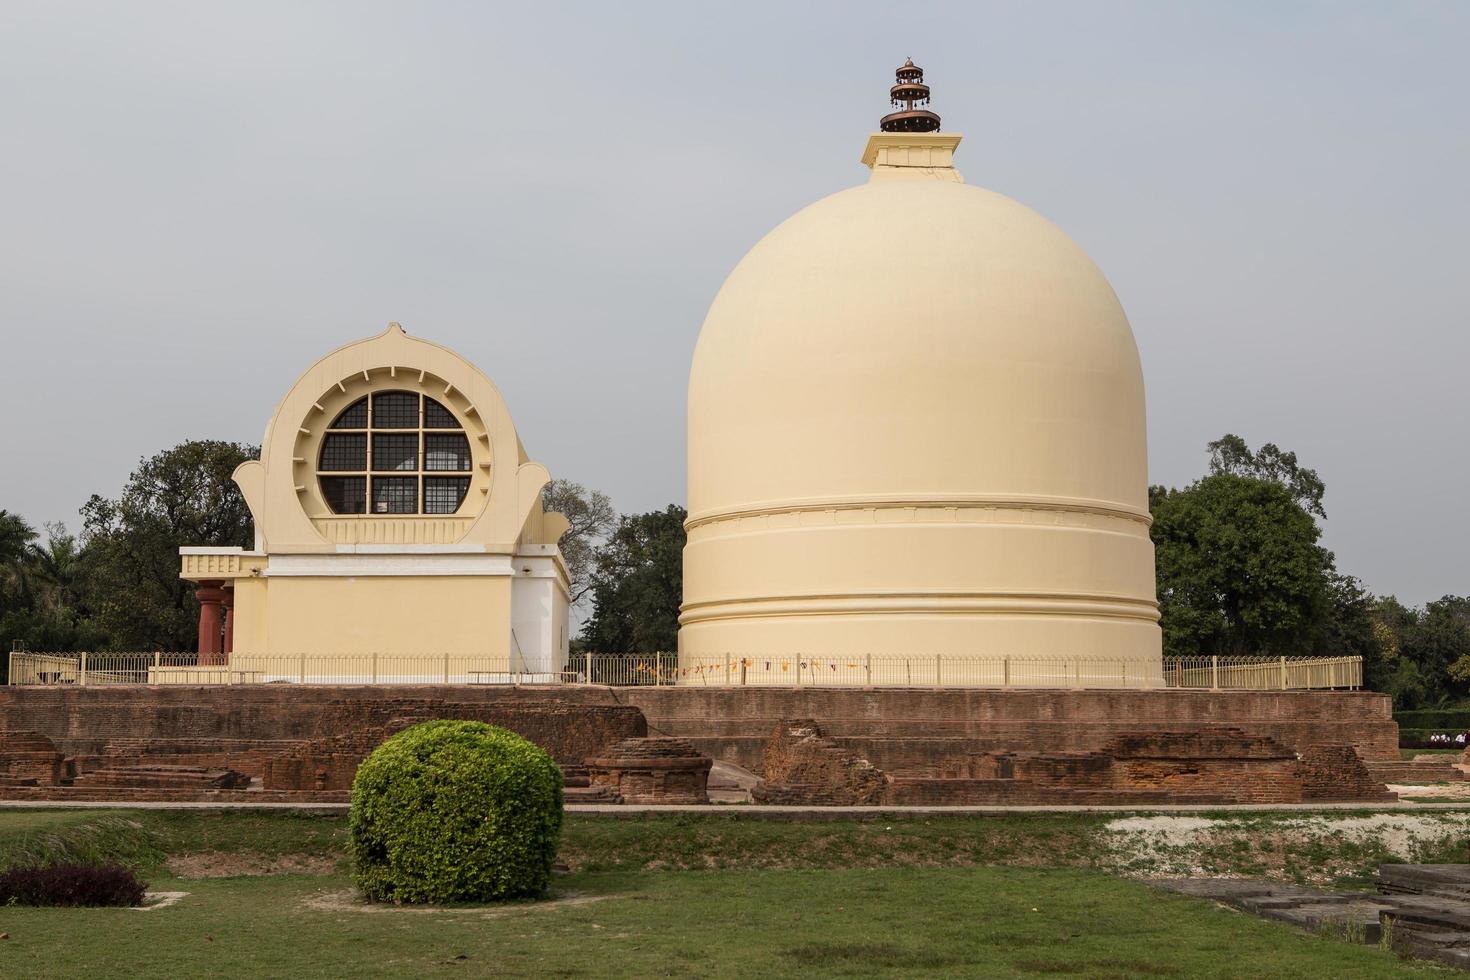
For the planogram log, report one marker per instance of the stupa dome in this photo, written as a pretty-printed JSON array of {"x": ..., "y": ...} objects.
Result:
[{"x": 916, "y": 426}]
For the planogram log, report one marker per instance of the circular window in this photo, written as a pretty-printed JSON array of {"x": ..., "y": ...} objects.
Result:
[{"x": 394, "y": 452}]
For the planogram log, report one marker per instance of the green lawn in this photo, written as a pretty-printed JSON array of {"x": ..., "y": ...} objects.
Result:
[
  {"x": 992, "y": 922},
  {"x": 708, "y": 895}
]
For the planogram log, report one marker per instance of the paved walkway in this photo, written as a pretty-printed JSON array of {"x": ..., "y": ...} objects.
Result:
[{"x": 627, "y": 809}]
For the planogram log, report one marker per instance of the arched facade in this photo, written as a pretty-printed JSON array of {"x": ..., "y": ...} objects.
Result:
[{"x": 396, "y": 512}]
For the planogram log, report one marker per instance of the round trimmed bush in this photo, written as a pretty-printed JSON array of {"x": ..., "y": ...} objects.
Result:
[{"x": 455, "y": 811}]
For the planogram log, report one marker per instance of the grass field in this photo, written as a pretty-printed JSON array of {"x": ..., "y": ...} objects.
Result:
[{"x": 717, "y": 895}]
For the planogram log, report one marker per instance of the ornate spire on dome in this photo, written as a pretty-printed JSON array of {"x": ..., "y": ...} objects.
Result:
[{"x": 909, "y": 92}]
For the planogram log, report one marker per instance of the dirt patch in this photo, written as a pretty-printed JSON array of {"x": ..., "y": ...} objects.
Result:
[
  {"x": 352, "y": 901},
  {"x": 235, "y": 864},
  {"x": 1440, "y": 791}
]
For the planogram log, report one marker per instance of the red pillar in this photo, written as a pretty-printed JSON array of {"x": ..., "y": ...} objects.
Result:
[
  {"x": 210, "y": 596},
  {"x": 229, "y": 622}
]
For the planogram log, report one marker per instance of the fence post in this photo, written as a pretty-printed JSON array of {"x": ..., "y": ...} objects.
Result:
[
  {"x": 1214, "y": 673},
  {"x": 908, "y": 671},
  {"x": 83, "y": 678},
  {"x": 798, "y": 670},
  {"x": 157, "y": 656},
  {"x": 375, "y": 667},
  {"x": 727, "y": 668},
  {"x": 587, "y": 659},
  {"x": 937, "y": 678},
  {"x": 1283, "y": 673},
  {"x": 868, "y": 668},
  {"x": 1006, "y": 671},
  {"x": 446, "y": 668},
  {"x": 303, "y": 668}
]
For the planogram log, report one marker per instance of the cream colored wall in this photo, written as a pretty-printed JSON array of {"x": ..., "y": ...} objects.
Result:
[
  {"x": 281, "y": 487},
  {"x": 321, "y": 583},
  {"x": 916, "y": 426},
  {"x": 384, "y": 614}
]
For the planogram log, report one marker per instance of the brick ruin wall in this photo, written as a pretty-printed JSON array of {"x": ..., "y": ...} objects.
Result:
[
  {"x": 1226, "y": 766},
  {"x": 917, "y": 729},
  {"x": 308, "y": 739},
  {"x": 294, "y": 739}
]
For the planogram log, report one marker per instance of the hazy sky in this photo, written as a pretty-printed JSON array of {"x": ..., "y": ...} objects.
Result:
[{"x": 197, "y": 200}]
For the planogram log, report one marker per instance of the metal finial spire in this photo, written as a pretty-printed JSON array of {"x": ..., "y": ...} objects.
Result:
[{"x": 909, "y": 91}]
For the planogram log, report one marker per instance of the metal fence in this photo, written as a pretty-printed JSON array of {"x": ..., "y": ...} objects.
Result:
[{"x": 626, "y": 670}]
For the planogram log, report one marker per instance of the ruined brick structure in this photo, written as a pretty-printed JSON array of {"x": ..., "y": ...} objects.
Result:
[
  {"x": 914, "y": 729},
  {"x": 30, "y": 759},
  {"x": 1334, "y": 773},
  {"x": 802, "y": 766},
  {"x": 652, "y": 770},
  {"x": 296, "y": 743},
  {"x": 303, "y": 742},
  {"x": 1223, "y": 766}
]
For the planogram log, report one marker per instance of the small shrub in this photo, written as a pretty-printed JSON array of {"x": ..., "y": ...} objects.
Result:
[
  {"x": 71, "y": 884},
  {"x": 455, "y": 811}
]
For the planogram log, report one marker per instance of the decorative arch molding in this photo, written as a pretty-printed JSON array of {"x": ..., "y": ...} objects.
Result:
[{"x": 281, "y": 487}]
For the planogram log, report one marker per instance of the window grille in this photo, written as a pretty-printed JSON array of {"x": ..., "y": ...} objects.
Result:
[
  {"x": 395, "y": 495},
  {"x": 354, "y": 416},
  {"x": 395, "y": 452},
  {"x": 395, "y": 410},
  {"x": 446, "y": 452},
  {"x": 444, "y": 494},
  {"x": 345, "y": 494},
  {"x": 364, "y": 485},
  {"x": 344, "y": 451},
  {"x": 436, "y": 416}
]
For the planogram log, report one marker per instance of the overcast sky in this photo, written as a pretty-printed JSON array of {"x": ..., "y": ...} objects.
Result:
[{"x": 198, "y": 200}]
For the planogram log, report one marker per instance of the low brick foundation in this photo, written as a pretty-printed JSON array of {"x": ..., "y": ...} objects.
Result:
[
  {"x": 913, "y": 729},
  {"x": 307, "y": 740},
  {"x": 651, "y": 770},
  {"x": 1226, "y": 766}
]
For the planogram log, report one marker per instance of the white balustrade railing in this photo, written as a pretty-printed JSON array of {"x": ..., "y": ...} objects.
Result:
[{"x": 730, "y": 670}]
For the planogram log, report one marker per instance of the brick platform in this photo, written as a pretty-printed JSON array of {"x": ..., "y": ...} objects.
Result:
[
  {"x": 306, "y": 740},
  {"x": 908, "y": 729}
]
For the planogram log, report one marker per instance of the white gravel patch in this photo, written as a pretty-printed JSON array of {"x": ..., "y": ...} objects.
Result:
[{"x": 1175, "y": 845}]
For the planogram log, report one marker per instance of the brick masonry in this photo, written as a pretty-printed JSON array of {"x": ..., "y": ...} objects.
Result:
[
  {"x": 913, "y": 729},
  {"x": 651, "y": 770},
  {"x": 308, "y": 739}
]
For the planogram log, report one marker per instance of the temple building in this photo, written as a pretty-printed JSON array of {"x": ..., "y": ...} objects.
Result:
[
  {"x": 916, "y": 427},
  {"x": 396, "y": 513}
]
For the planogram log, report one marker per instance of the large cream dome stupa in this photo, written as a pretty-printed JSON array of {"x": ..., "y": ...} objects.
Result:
[{"x": 916, "y": 427}]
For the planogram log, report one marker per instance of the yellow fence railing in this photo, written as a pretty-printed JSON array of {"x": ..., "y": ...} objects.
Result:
[{"x": 626, "y": 670}]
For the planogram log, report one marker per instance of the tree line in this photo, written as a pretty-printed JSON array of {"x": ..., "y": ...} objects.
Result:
[{"x": 1241, "y": 571}]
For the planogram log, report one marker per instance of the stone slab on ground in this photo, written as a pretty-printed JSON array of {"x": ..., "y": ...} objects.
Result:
[
  {"x": 1340, "y": 913},
  {"x": 1444, "y": 880},
  {"x": 1421, "y": 910}
]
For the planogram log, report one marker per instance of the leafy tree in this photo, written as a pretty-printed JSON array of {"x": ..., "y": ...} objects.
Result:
[
  {"x": 1239, "y": 568},
  {"x": 1231, "y": 456},
  {"x": 40, "y": 607},
  {"x": 637, "y": 585},
  {"x": 130, "y": 566},
  {"x": 1442, "y": 637},
  {"x": 16, "y": 536},
  {"x": 591, "y": 515}
]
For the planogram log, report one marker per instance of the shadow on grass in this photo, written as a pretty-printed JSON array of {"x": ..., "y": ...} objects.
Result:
[{"x": 872, "y": 956}]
